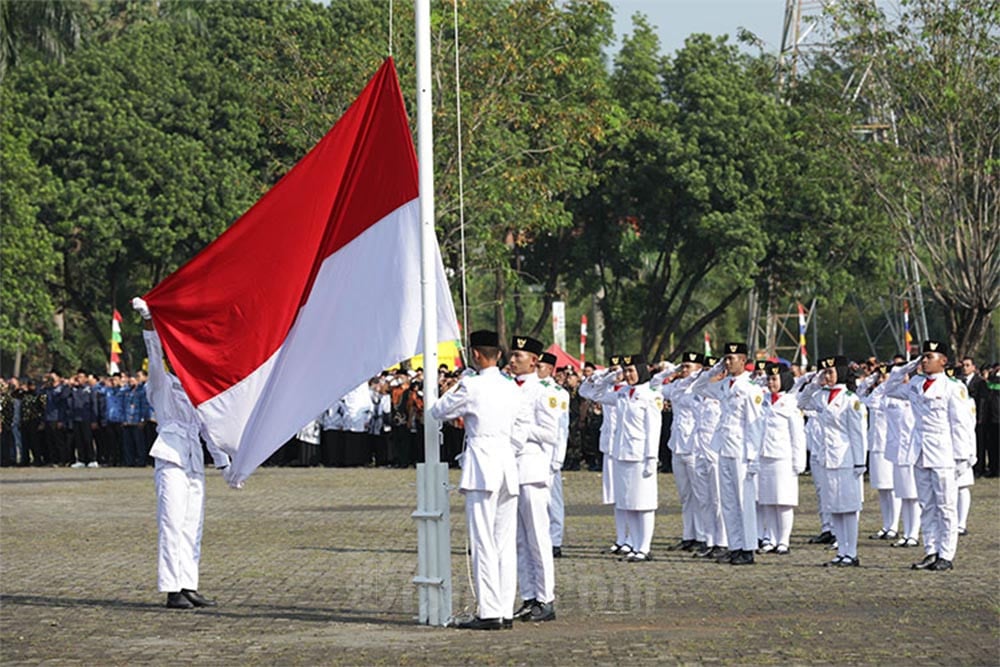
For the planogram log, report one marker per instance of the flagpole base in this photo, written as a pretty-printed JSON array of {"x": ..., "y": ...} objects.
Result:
[{"x": 433, "y": 519}]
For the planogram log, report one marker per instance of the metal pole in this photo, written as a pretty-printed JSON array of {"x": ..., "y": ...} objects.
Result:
[{"x": 433, "y": 521}]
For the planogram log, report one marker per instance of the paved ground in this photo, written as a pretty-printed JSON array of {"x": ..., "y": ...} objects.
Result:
[{"x": 313, "y": 566}]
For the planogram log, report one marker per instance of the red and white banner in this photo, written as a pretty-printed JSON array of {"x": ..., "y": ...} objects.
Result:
[{"x": 315, "y": 289}]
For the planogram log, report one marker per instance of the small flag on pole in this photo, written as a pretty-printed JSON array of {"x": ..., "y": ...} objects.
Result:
[
  {"x": 116, "y": 342},
  {"x": 907, "y": 336},
  {"x": 583, "y": 339},
  {"x": 802, "y": 335},
  {"x": 708, "y": 345}
]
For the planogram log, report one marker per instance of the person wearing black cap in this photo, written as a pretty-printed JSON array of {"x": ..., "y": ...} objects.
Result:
[
  {"x": 900, "y": 451},
  {"x": 488, "y": 402},
  {"x": 841, "y": 420},
  {"x": 635, "y": 446},
  {"x": 706, "y": 481},
  {"x": 539, "y": 427},
  {"x": 944, "y": 442},
  {"x": 872, "y": 393},
  {"x": 557, "y": 507},
  {"x": 736, "y": 440},
  {"x": 685, "y": 406},
  {"x": 179, "y": 475},
  {"x": 782, "y": 459},
  {"x": 599, "y": 388}
]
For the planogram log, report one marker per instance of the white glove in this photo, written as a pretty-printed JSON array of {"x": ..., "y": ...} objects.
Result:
[
  {"x": 753, "y": 467},
  {"x": 799, "y": 468},
  {"x": 649, "y": 468},
  {"x": 555, "y": 467},
  {"x": 859, "y": 471},
  {"x": 141, "y": 307},
  {"x": 961, "y": 466}
]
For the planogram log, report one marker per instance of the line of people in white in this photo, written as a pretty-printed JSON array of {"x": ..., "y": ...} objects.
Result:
[{"x": 739, "y": 441}]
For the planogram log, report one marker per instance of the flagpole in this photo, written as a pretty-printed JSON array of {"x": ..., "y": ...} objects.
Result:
[{"x": 433, "y": 578}]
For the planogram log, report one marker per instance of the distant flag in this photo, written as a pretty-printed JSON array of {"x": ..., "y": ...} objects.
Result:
[
  {"x": 583, "y": 339},
  {"x": 708, "y": 345},
  {"x": 116, "y": 342},
  {"x": 260, "y": 358},
  {"x": 802, "y": 335},
  {"x": 907, "y": 336}
]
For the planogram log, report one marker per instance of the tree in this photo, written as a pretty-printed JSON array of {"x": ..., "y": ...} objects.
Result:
[
  {"x": 936, "y": 84},
  {"x": 50, "y": 28}
]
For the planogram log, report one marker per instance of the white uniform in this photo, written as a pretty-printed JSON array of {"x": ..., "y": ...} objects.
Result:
[
  {"x": 685, "y": 405},
  {"x": 782, "y": 459},
  {"x": 489, "y": 403},
  {"x": 944, "y": 444},
  {"x": 880, "y": 469},
  {"x": 900, "y": 452},
  {"x": 736, "y": 440},
  {"x": 179, "y": 474},
  {"x": 840, "y": 448},
  {"x": 540, "y": 420},
  {"x": 636, "y": 446},
  {"x": 601, "y": 387},
  {"x": 557, "y": 507},
  {"x": 706, "y": 482}
]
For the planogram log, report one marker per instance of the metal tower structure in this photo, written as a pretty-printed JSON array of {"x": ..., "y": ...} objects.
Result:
[{"x": 809, "y": 30}]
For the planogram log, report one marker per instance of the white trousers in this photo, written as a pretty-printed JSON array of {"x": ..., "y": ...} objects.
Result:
[
  {"x": 557, "y": 509},
  {"x": 536, "y": 572},
  {"x": 845, "y": 527},
  {"x": 910, "y": 511},
  {"x": 739, "y": 506},
  {"x": 640, "y": 528},
  {"x": 180, "y": 511},
  {"x": 819, "y": 481},
  {"x": 684, "y": 478},
  {"x": 964, "y": 503},
  {"x": 492, "y": 524},
  {"x": 709, "y": 508},
  {"x": 937, "y": 490},
  {"x": 889, "y": 505},
  {"x": 776, "y": 522}
]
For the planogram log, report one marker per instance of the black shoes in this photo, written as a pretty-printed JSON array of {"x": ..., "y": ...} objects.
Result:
[
  {"x": 196, "y": 598},
  {"x": 481, "y": 624},
  {"x": 543, "y": 611},
  {"x": 742, "y": 557},
  {"x": 683, "y": 545},
  {"x": 557, "y": 552},
  {"x": 826, "y": 537},
  {"x": 941, "y": 564},
  {"x": 507, "y": 624},
  {"x": 638, "y": 557},
  {"x": 178, "y": 601},
  {"x": 926, "y": 563},
  {"x": 524, "y": 611}
]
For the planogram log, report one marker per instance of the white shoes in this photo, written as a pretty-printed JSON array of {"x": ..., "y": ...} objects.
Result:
[
  {"x": 78, "y": 464},
  {"x": 93, "y": 464}
]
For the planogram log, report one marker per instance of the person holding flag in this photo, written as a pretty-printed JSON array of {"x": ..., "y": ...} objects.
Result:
[{"x": 179, "y": 476}]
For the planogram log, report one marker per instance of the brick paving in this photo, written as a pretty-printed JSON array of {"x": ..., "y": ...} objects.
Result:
[{"x": 313, "y": 566}]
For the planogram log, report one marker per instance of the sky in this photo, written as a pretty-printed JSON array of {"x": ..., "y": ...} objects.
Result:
[{"x": 676, "y": 19}]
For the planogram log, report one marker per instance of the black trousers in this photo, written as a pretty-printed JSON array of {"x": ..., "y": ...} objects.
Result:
[
  {"x": 83, "y": 442},
  {"x": 56, "y": 443}
]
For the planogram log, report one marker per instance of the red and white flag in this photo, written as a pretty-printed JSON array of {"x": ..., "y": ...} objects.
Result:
[{"x": 315, "y": 289}]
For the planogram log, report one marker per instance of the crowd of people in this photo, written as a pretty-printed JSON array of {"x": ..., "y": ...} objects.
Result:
[{"x": 735, "y": 434}]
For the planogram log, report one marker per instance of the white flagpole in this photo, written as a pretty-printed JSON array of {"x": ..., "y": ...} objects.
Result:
[{"x": 433, "y": 519}]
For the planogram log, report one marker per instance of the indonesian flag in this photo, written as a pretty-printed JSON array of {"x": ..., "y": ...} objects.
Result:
[
  {"x": 583, "y": 339},
  {"x": 116, "y": 342},
  {"x": 314, "y": 290},
  {"x": 802, "y": 334},
  {"x": 907, "y": 336}
]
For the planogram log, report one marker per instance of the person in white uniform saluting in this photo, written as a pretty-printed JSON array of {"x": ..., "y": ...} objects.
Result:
[
  {"x": 840, "y": 448},
  {"x": 675, "y": 386},
  {"x": 872, "y": 393},
  {"x": 736, "y": 440},
  {"x": 539, "y": 420},
  {"x": 598, "y": 387},
  {"x": 179, "y": 475},
  {"x": 636, "y": 446},
  {"x": 782, "y": 459},
  {"x": 943, "y": 440},
  {"x": 488, "y": 402}
]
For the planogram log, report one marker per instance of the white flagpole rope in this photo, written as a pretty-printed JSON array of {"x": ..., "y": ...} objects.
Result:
[{"x": 461, "y": 183}]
